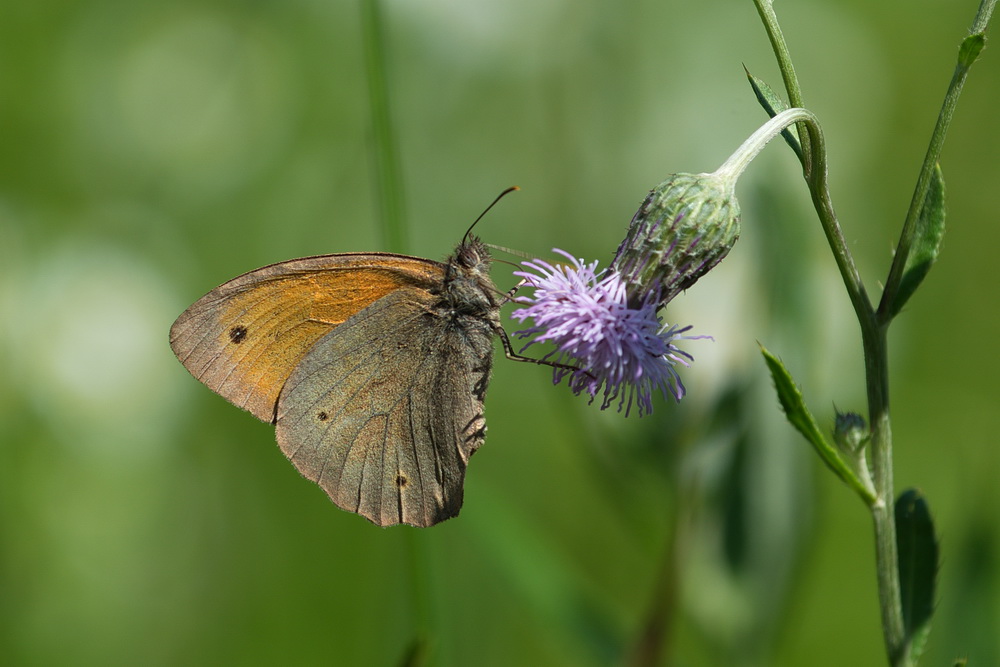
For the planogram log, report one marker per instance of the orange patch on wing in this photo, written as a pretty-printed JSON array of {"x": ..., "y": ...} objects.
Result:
[
  {"x": 339, "y": 294},
  {"x": 244, "y": 338}
]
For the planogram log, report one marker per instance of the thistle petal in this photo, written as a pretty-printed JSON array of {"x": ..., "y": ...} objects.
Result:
[{"x": 616, "y": 342}]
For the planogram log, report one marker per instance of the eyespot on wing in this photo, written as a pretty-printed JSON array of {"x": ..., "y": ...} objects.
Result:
[{"x": 244, "y": 338}]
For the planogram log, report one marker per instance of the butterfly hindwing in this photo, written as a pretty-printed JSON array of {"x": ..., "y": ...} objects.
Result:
[{"x": 384, "y": 411}]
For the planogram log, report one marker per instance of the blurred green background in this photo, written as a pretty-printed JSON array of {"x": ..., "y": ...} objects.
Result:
[{"x": 152, "y": 150}]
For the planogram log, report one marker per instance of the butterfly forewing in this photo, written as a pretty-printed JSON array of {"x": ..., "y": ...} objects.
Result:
[{"x": 243, "y": 338}]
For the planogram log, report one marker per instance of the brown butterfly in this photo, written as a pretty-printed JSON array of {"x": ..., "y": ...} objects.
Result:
[{"x": 372, "y": 366}]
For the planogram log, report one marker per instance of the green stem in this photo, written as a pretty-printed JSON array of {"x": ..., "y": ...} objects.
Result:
[
  {"x": 765, "y": 9},
  {"x": 874, "y": 324},
  {"x": 983, "y": 16},
  {"x": 876, "y": 367},
  {"x": 886, "y": 554},
  {"x": 876, "y": 361},
  {"x": 967, "y": 55},
  {"x": 388, "y": 183},
  {"x": 873, "y": 336},
  {"x": 819, "y": 189}
]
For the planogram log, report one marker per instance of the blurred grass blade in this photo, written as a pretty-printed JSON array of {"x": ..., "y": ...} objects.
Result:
[
  {"x": 773, "y": 105},
  {"x": 926, "y": 244},
  {"x": 799, "y": 416},
  {"x": 415, "y": 654},
  {"x": 550, "y": 592},
  {"x": 388, "y": 181},
  {"x": 918, "y": 565}
]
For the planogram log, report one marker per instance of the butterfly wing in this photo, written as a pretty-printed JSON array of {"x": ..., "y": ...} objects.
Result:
[
  {"x": 244, "y": 338},
  {"x": 385, "y": 410}
]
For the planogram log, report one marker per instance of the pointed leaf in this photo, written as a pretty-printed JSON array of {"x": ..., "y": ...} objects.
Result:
[
  {"x": 773, "y": 105},
  {"x": 970, "y": 49},
  {"x": 926, "y": 243},
  {"x": 799, "y": 416},
  {"x": 918, "y": 565}
]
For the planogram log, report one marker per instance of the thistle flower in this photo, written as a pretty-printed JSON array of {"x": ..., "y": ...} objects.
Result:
[
  {"x": 605, "y": 324},
  {"x": 614, "y": 342}
]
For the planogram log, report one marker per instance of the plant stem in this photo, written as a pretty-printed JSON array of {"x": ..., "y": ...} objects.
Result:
[
  {"x": 389, "y": 190},
  {"x": 765, "y": 9},
  {"x": 876, "y": 363},
  {"x": 965, "y": 60},
  {"x": 873, "y": 336},
  {"x": 818, "y": 188},
  {"x": 874, "y": 325},
  {"x": 883, "y": 518}
]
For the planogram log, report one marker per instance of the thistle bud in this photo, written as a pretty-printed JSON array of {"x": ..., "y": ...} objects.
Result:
[
  {"x": 685, "y": 226},
  {"x": 850, "y": 431}
]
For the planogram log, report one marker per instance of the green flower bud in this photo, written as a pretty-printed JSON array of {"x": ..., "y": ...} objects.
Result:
[
  {"x": 685, "y": 226},
  {"x": 850, "y": 431}
]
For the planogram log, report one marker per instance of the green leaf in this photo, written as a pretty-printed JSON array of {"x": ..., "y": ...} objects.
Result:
[
  {"x": 926, "y": 243},
  {"x": 773, "y": 105},
  {"x": 918, "y": 565},
  {"x": 969, "y": 51},
  {"x": 799, "y": 416}
]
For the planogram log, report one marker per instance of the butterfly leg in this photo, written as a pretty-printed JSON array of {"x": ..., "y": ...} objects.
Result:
[
  {"x": 509, "y": 294},
  {"x": 509, "y": 352}
]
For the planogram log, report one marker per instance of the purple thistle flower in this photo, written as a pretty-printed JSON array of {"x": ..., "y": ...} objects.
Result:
[{"x": 616, "y": 344}]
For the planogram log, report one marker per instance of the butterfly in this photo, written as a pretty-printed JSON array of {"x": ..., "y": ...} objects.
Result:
[{"x": 373, "y": 367}]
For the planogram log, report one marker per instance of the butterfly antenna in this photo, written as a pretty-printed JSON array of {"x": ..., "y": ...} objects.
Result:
[
  {"x": 487, "y": 210},
  {"x": 509, "y": 251}
]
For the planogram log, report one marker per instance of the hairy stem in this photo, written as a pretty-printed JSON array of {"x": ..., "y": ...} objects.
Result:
[{"x": 886, "y": 552}]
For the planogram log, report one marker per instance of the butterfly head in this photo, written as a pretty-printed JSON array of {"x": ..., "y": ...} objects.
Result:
[
  {"x": 467, "y": 282},
  {"x": 472, "y": 256}
]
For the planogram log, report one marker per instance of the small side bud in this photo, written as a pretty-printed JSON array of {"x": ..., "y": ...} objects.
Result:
[
  {"x": 686, "y": 225},
  {"x": 850, "y": 431}
]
